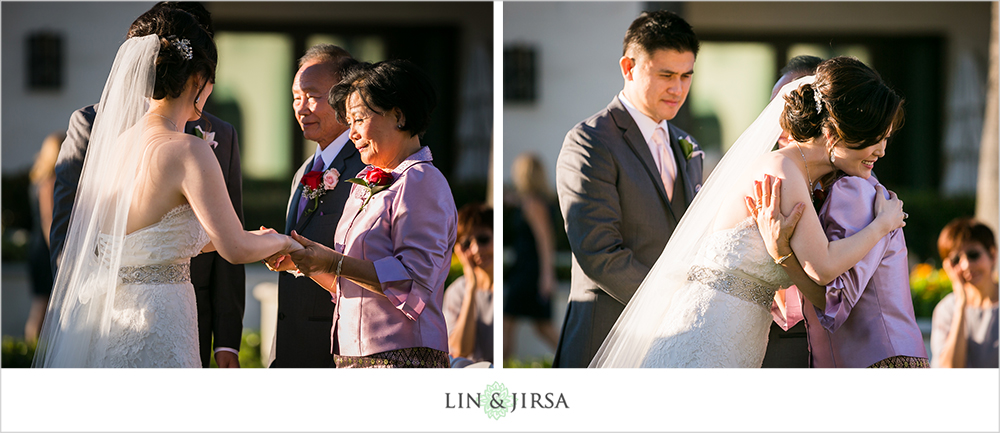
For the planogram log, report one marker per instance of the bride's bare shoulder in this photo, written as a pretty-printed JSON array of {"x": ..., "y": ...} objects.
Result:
[
  {"x": 776, "y": 163},
  {"x": 179, "y": 148}
]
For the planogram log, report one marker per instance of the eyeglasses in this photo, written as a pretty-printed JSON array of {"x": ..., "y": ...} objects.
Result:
[
  {"x": 971, "y": 255},
  {"x": 481, "y": 239}
]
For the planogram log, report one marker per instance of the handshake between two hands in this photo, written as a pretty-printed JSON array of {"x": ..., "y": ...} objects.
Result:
[{"x": 302, "y": 256}]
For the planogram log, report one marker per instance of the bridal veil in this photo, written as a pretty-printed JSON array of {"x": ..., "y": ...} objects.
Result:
[
  {"x": 75, "y": 333},
  {"x": 634, "y": 332}
]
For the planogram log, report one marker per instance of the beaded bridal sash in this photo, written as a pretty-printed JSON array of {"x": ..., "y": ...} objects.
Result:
[
  {"x": 732, "y": 284},
  {"x": 155, "y": 274}
]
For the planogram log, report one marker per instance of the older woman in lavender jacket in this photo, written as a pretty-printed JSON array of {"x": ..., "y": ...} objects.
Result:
[
  {"x": 860, "y": 316},
  {"x": 868, "y": 317},
  {"x": 394, "y": 242}
]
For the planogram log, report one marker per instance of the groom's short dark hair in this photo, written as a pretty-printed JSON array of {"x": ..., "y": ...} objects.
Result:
[
  {"x": 660, "y": 30},
  {"x": 803, "y": 64}
]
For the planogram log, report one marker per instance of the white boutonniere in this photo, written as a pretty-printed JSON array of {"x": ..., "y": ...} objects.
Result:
[
  {"x": 207, "y": 136},
  {"x": 688, "y": 148}
]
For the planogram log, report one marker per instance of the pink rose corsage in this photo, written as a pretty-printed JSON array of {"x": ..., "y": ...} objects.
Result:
[{"x": 374, "y": 180}]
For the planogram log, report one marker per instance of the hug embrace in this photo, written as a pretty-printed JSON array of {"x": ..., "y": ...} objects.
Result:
[{"x": 668, "y": 272}]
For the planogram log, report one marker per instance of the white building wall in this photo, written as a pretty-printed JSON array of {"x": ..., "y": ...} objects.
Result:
[
  {"x": 91, "y": 33},
  {"x": 578, "y": 46}
]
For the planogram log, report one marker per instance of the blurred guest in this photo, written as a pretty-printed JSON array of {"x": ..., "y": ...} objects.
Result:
[
  {"x": 43, "y": 182},
  {"x": 468, "y": 301},
  {"x": 529, "y": 285},
  {"x": 394, "y": 241},
  {"x": 965, "y": 328}
]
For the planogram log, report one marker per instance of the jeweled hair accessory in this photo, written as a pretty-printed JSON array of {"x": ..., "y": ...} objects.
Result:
[
  {"x": 183, "y": 46},
  {"x": 819, "y": 100}
]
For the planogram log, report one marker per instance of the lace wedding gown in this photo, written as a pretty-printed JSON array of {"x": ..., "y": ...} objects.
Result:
[
  {"x": 154, "y": 322},
  {"x": 721, "y": 317}
]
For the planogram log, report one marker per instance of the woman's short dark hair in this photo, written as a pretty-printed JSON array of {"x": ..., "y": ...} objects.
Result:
[
  {"x": 855, "y": 105},
  {"x": 659, "y": 30},
  {"x": 962, "y": 230},
  {"x": 474, "y": 216},
  {"x": 386, "y": 85}
]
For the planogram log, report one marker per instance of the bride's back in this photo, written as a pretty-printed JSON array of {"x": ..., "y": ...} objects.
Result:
[{"x": 159, "y": 175}]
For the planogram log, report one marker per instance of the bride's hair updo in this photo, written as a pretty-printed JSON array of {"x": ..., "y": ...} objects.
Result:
[
  {"x": 181, "y": 36},
  {"x": 853, "y": 103}
]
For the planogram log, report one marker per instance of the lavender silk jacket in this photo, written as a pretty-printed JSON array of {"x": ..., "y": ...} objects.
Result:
[
  {"x": 408, "y": 231},
  {"x": 869, "y": 314}
]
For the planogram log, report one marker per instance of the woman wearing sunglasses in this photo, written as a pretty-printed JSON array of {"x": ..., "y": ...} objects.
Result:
[
  {"x": 965, "y": 331},
  {"x": 468, "y": 301}
]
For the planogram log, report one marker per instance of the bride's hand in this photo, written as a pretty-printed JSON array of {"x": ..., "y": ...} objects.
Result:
[
  {"x": 889, "y": 212},
  {"x": 775, "y": 228},
  {"x": 281, "y": 260},
  {"x": 280, "y": 263}
]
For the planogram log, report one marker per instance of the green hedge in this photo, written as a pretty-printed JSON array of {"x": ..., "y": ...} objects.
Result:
[
  {"x": 545, "y": 362},
  {"x": 16, "y": 353}
]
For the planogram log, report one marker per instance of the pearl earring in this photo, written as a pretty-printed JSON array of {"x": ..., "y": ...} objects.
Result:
[
  {"x": 399, "y": 127},
  {"x": 832, "y": 158}
]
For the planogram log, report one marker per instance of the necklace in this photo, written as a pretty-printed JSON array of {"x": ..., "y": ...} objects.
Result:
[
  {"x": 808, "y": 176},
  {"x": 171, "y": 121}
]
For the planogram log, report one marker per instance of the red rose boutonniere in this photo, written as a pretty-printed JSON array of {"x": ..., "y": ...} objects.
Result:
[
  {"x": 317, "y": 183},
  {"x": 375, "y": 180}
]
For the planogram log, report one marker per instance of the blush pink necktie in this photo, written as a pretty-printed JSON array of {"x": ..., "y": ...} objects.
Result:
[{"x": 668, "y": 171}]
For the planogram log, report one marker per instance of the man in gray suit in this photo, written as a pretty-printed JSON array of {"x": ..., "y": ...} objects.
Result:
[
  {"x": 624, "y": 178},
  {"x": 220, "y": 287},
  {"x": 305, "y": 310}
]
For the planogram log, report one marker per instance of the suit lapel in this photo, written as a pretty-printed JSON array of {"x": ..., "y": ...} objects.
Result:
[
  {"x": 296, "y": 195},
  {"x": 634, "y": 139},
  {"x": 339, "y": 162},
  {"x": 302, "y": 222},
  {"x": 675, "y": 143}
]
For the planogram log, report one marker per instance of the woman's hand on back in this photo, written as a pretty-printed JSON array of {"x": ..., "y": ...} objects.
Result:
[
  {"x": 889, "y": 211},
  {"x": 775, "y": 228}
]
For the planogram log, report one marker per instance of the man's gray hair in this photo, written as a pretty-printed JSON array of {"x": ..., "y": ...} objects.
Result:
[{"x": 327, "y": 53}]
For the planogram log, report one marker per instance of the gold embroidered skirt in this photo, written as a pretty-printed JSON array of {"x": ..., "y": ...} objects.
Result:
[
  {"x": 901, "y": 362},
  {"x": 410, "y": 357}
]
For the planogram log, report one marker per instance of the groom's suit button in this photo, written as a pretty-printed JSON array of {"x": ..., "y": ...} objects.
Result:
[{"x": 281, "y": 316}]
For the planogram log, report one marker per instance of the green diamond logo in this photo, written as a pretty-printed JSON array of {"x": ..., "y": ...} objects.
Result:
[{"x": 496, "y": 401}]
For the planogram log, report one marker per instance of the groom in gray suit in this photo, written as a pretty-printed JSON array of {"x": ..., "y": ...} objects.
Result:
[{"x": 624, "y": 178}]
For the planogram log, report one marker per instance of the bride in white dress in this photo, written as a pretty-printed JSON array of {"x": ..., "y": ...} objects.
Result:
[
  {"x": 150, "y": 198},
  {"x": 707, "y": 300}
]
